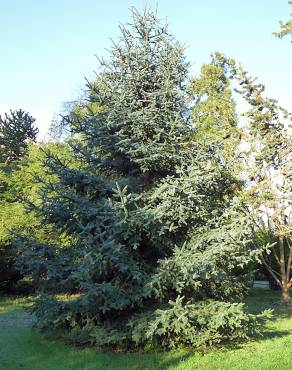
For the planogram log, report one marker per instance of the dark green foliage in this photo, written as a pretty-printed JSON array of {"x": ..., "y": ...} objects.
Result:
[
  {"x": 155, "y": 231},
  {"x": 9, "y": 275},
  {"x": 16, "y": 129}
]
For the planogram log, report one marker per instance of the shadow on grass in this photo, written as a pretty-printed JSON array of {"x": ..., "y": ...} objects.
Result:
[
  {"x": 257, "y": 301},
  {"x": 261, "y": 299},
  {"x": 24, "y": 348},
  {"x": 21, "y": 347}
]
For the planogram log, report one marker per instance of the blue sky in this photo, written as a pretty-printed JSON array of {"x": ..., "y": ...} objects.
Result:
[{"x": 48, "y": 47}]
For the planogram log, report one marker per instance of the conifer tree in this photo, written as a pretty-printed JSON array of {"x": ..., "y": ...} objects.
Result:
[
  {"x": 214, "y": 111},
  {"x": 285, "y": 27},
  {"x": 16, "y": 130},
  {"x": 156, "y": 233}
]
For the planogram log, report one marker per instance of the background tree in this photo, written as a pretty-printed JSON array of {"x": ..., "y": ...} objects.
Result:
[
  {"x": 217, "y": 121},
  {"x": 261, "y": 145},
  {"x": 155, "y": 232},
  {"x": 285, "y": 27},
  {"x": 16, "y": 129},
  {"x": 214, "y": 111},
  {"x": 268, "y": 170},
  {"x": 20, "y": 182}
]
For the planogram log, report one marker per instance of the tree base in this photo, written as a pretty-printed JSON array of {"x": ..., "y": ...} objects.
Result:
[{"x": 286, "y": 300}]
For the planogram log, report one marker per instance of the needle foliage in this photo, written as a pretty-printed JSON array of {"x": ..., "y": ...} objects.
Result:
[{"x": 156, "y": 231}]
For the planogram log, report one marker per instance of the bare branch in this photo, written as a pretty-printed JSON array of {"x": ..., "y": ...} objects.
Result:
[{"x": 272, "y": 272}]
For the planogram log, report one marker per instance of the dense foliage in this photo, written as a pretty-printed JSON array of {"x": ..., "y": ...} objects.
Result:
[
  {"x": 16, "y": 130},
  {"x": 20, "y": 185},
  {"x": 156, "y": 238},
  {"x": 214, "y": 110}
]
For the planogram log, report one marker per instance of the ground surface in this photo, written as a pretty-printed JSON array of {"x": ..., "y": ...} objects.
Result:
[{"x": 25, "y": 349}]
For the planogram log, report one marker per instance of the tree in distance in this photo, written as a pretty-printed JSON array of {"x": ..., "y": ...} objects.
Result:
[{"x": 16, "y": 130}]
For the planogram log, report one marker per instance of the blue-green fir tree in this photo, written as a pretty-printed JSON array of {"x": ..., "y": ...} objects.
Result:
[{"x": 156, "y": 232}]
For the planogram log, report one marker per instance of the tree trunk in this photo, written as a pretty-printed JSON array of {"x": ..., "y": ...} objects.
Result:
[
  {"x": 285, "y": 295},
  {"x": 273, "y": 284},
  {"x": 285, "y": 287}
]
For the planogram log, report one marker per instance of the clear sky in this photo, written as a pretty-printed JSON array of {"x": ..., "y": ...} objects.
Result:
[{"x": 48, "y": 47}]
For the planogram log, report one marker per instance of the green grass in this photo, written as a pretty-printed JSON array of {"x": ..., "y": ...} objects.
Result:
[{"x": 23, "y": 348}]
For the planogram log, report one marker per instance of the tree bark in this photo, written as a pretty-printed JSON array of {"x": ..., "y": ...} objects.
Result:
[
  {"x": 285, "y": 295},
  {"x": 284, "y": 279}
]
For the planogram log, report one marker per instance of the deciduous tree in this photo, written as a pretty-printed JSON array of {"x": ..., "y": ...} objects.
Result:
[{"x": 268, "y": 171}]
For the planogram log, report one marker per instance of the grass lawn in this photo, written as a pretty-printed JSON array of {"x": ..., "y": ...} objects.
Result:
[{"x": 23, "y": 348}]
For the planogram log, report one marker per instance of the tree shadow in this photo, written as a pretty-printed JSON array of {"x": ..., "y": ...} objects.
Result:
[
  {"x": 43, "y": 352},
  {"x": 262, "y": 299}
]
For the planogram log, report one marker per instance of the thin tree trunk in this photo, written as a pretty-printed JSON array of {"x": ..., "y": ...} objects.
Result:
[{"x": 285, "y": 287}]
